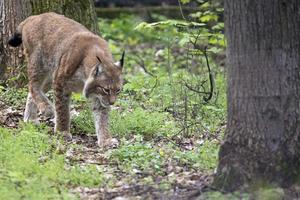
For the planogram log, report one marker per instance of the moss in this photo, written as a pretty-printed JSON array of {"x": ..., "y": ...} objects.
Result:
[
  {"x": 230, "y": 179},
  {"x": 269, "y": 194}
]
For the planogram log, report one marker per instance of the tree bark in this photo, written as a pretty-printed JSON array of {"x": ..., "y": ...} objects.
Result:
[
  {"x": 262, "y": 140},
  {"x": 82, "y": 11},
  {"x": 12, "y": 12}
]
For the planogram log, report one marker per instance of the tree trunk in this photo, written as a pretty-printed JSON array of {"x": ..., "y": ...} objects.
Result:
[
  {"x": 12, "y": 12},
  {"x": 82, "y": 11},
  {"x": 262, "y": 140}
]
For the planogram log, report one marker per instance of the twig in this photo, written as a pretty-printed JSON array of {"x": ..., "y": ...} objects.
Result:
[
  {"x": 196, "y": 38},
  {"x": 206, "y": 99},
  {"x": 188, "y": 126},
  {"x": 156, "y": 81},
  {"x": 211, "y": 81},
  {"x": 181, "y": 11},
  {"x": 194, "y": 90},
  {"x": 169, "y": 140},
  {"x": 141, "y": 63}
]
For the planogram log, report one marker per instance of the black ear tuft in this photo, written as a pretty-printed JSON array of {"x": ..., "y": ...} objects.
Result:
[
  {"x": 99, "y": 59},
  {"x": 15, "y": 40},
  {"x": 122, "y": 59}
]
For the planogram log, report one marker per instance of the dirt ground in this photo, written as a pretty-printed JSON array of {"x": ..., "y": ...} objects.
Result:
[{"x": 189, "y": 183}]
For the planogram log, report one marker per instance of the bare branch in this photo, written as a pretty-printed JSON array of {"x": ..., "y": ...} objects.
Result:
[
  {"x": 206, "y": 99},
  {"x": 181, "y": 11},
  {"x": 141, "y": 63},
  {"x": 193, "y": 89}
]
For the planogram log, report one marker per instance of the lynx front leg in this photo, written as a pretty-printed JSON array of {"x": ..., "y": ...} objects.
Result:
[
  {"x": 38, "y": 76},
  {"x": 62, "y": 111},
  {"x": 101, "y": 126},
  {"x": 31, "y": 110}
]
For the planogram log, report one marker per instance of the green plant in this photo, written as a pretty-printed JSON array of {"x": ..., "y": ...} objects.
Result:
[
  {"x": 138, "y": 156},
  {"x": 13, "y": 96},
  {"x": 142, "y": 122},
  {"x": 128, "y": 123},
  {"x": 204, "y": 157},
  {"x": 31, "y": 168},
  {"x": 83, "y": 122},
  {"x": 215, "y": 195},
  {"x": 121, "y": 30}
]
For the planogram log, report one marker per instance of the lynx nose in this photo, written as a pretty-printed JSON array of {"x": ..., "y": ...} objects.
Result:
[{"x": 112, "y": 100}]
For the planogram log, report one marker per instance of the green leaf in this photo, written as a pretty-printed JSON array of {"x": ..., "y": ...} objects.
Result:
[
  {"x": 214, "y": 50},
  {"x": 185, "y": 1}
]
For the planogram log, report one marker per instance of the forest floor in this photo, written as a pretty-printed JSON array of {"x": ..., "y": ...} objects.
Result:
[
  {"x": 172, "y": 182},
  {"x": 169, "y": 136}
]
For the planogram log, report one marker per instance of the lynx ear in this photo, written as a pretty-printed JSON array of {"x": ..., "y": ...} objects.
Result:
[
  {"x": 97, "y": 70},
  {"x": 120, "y": 63},
  {"x": 99, "y": 59}
]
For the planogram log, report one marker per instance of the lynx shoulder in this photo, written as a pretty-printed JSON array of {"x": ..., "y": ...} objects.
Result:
[{"x": 64, "y": 55}]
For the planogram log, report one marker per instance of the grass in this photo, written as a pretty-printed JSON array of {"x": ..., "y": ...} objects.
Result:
[
  {"x": 14, "y": 97},
  {"x": 149, "y": 158},
  {"x": 126, "y": 123},
  {"x": 32, "y": 168},
  {"x": 203, "y": 157},
  {"x": 138, "y": 156}
]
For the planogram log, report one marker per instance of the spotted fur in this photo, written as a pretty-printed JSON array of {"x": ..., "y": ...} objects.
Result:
[{"x": 62, "y": 54}]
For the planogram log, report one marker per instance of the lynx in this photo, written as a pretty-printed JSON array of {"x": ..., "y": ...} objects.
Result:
[{"x": 64, "y": 55}]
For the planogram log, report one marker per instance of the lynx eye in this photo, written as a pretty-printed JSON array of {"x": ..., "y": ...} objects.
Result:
[
  {"x": 118, "y": 91},
  {"x": 105, "y": 90}
]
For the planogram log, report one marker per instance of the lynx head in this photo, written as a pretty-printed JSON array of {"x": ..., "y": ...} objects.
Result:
[{"x": 104, "y": 82}]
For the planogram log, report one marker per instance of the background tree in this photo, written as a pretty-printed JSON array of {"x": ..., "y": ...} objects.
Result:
[
  {"x": 82, "y": 11},
  {"x": 12, "y": 12},
  {"x": 262, "y": 141}
]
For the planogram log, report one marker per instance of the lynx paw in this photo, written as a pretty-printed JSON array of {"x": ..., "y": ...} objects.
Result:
[
  {"x": 67, "y": 136},
  {"x": 109, "y": 143},
  {"x": 47, "y": 112},
  {"x": 34, "y": 121}
]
